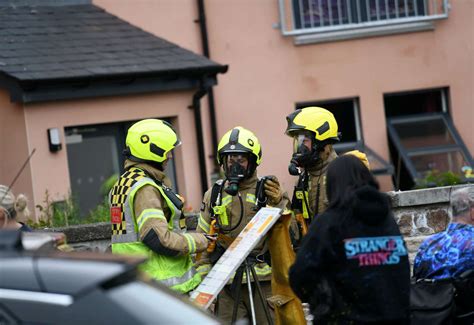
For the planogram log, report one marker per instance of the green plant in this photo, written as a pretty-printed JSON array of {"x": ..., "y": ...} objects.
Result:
[
  {"x": 57, "y": 213},
  {"x": 66, "y": 213},
  {"x": 436, "y": 178}
]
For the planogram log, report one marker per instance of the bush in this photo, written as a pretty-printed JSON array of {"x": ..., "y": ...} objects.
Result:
[
  {"x": 435, "y": 178},
  {"x": 66, "y": 213}
]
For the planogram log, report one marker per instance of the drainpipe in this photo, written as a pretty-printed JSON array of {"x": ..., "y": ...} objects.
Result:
[
  {"x": 212, "y": 108},
  {"x": 196, "y": 105}
]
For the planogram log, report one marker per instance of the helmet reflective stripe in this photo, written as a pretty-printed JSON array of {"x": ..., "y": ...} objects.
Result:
[
  {"x": 151, "y": 140},
  {"x": 314, "y": 119},
  {"x": 239, "y": 140}
]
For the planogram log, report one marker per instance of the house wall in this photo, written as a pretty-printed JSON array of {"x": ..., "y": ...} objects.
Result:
[
  {"x": 14, "y": 149},
  {"x": 268, "y": 74},
  {"x": 50, "y": 170}
]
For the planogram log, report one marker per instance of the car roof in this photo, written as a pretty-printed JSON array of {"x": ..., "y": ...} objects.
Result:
[{"x": 47, "y": 269}]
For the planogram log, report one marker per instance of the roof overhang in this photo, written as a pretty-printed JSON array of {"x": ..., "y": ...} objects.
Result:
[{"x": 32, "y": 91}]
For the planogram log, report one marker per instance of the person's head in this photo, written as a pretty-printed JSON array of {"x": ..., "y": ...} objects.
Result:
[
  {"x": 462, "y": 203},
  {"x": 239, "y": 153},
  {"x": 151, "y": 141},
  {"x": 10, "y": 206},
  {"x": 346, "y": 174},
  {"x": 314, "y": 130}
]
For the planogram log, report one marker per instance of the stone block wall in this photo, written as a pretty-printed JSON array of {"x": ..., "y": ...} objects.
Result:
[{"x": 419, "y": 214}]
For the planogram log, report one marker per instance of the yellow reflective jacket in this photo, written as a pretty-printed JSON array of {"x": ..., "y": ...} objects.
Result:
[{"x": 139, "y": 205}]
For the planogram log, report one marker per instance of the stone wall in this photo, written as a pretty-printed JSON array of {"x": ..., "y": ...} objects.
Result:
[{"x": 419, "y": 213}]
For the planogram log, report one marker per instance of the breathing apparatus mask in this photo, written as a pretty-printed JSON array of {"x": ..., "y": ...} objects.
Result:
[
  {"x": 306, "y": 152},
  {"x": 235, "y": 171}
]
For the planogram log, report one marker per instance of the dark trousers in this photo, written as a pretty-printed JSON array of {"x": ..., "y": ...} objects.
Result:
[{"x": 225, "y": 303}]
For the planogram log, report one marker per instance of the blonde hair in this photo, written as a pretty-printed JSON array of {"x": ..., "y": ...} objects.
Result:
[{"x": 12, "y": 206}]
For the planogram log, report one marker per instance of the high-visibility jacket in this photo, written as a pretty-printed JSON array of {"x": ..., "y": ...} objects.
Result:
[{"x": 176, "y": 272}]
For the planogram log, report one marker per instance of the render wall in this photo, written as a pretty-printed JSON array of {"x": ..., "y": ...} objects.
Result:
[
  {"x": 14, "y": 148},
  {"x": 268, "y": 74},
  {"x": 50, "y": 170}
]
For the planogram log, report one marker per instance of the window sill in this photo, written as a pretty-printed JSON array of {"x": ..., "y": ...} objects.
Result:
[{"x": 362, "y": 33}]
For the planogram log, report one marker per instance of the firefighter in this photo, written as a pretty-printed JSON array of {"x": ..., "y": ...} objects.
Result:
[
  {"x": 146, "y": 215},
  {"x": 314, "y": 131},
  {"x": 228, "y": 207}
]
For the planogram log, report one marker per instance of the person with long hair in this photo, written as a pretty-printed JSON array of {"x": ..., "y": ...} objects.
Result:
[{"x": 353, "y": 266}]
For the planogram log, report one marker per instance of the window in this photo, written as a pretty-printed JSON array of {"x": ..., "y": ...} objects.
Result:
[
  {"x": 427, "y": 143},
  {"x": 358, "y": 16},
  {"x": 422, "y": 137},
  {"x": 346, "y": 113},
  {"x": 320, "y": 13},
  {"x": 94, "y": 155}
]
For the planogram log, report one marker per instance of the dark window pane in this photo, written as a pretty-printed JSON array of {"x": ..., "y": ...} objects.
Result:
[
  {"x": 423, "y": 133},
  {"x": 452, "y": 161}
]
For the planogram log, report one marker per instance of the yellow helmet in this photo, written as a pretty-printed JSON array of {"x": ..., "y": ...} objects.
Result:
[
  {"x": 239, "y": 140},
  {"x": 314, "y": 119},
  {"x": 150, "y": 140},
  {"x": 362, "y": 157}
]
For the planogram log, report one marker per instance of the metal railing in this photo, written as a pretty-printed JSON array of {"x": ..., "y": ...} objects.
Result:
[{"x": 320, "y": 16}]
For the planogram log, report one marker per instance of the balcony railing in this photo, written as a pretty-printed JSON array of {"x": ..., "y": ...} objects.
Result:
[{"x": 299, "y": 17}]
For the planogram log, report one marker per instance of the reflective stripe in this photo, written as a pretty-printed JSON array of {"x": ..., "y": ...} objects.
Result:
[
  {"x": 203, "y": 223},
  {"x": 226, "y": 200},
  {"x": 191, "y": 243},
  {"x": 125, "y": 238},
  {"x": 149, "y": 214},
  {"x": 170, "y": 282},
  {"x": 263, "y": 270},
  {"x": 250, "y": 198},
  {"x": 204, "y": 269}
]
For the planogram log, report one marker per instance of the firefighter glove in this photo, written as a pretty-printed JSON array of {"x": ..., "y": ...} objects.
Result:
[{"x": 273, "y": 191}]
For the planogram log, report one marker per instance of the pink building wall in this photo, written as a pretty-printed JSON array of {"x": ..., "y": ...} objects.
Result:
[
  {"x": 268, "y": 74},
  {"x": 14, "y": 147},
  {"x": 50, "y": 170}
]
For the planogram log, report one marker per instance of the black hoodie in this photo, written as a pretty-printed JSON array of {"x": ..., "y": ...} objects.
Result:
[{"x": 354, "y": 262}]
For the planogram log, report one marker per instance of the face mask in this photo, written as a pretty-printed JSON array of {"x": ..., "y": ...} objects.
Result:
[
  {"x": 303, "y": 156},
  {"x": 235, "y": 174},
  {"x": 236, "y": 169}
]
